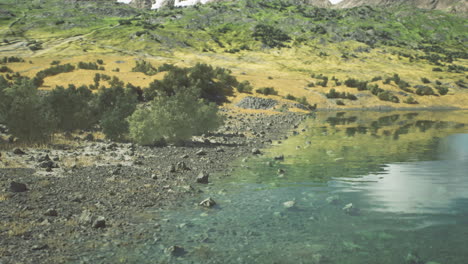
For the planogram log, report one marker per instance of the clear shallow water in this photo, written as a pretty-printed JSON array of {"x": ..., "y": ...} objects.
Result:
[{"x": 405, "y": 173}]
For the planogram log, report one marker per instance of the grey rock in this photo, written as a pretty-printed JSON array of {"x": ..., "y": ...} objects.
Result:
[
  {"x": 208, "y": 202},
  {"x": 100, "y": 222},
  {"x": 51, "y": 212},
  {"x": 201, "y": 152},
  {"x": 43, "y": 158},
  {"x": 351, "y": 209},
  {"x": 256, "y": 151},
  {"x": 181, "y": 166},
  {"x": 251, "y": 102},
  {"x": 203, "y": 177},
  {"x": 40, "y": 247},
  {"x": 85, "y": 218},
  {"x": 176, "y": 251},
  {"x": 18, "y": 187},
  {"x": 279, "y": 157},
  {"x": 18, "y": 151}
]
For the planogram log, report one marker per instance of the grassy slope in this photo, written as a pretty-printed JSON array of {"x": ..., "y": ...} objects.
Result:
[{"x": 322, "y": 41}]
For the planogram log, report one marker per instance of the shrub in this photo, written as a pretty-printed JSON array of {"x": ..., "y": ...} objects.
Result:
[
  {"x": 267, "y": 91},
  {"x": 353, "y": 83},
  {"x": 311, "y": 84},
  {"x": 88, "y": 66},
  {"x": 55, "y": 62},
  {"x": 244, "y": 87},
  {"x": 144, "y": 67},
  {"x": 71, "y": 107},
  {"x": 11, "y": 59},
  {"x": 339, "y": 102},
  {"x": 425, "y": 80},
  {"x": 334, "y": 94},
  {"x": 290, "y": 97},
  {"x": 24, "y": 112},
  {"x": 173, "y": 119},
  {"x": 270, "y": 36},
  {"x": 424, "y": 90},
  {"x": 376, "y": 78},
  {"x": 442, "y": 89},
  {"x": 112, "y": 106},
  {"x": 388, "y": 96},
  {"x": 410, "y": 100},
  {"x": 55, "y": 70},
  {"x": 436, "y": 69},
  {"x": 5, "y": 69},
  {"x": 324, "y": 82},
  {"x": 100, "y": 62},
  {"x": 213, "y": 84}
]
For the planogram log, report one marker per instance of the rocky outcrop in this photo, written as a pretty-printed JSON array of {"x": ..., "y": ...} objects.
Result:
[
  {"x": 154, "y": 4},
  {"x": 455, "y": 6}
]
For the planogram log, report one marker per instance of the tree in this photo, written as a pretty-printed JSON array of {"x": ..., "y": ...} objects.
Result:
[
  {"x": 24, "y": 112},
  {"x": 173, "y": 119},
  {"x": 113, "y": 106},
  {"x": 71, "y": 107}
]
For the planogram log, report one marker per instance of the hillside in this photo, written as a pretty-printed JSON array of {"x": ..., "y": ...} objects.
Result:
[
  {"x": 370, "y": 57},
  {"x": 454, "y": 6}
]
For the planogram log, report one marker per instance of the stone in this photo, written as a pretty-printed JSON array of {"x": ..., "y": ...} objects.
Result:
[
  {"x": 18, "y": 151},
  {"x": 279, "y": 157},
  {"x": 40, "y": 247},
  {"x": 18, "y": 187},
  {"x": 201, "y": 152},
  {"x": 89, "y": 137},
  {"x": 351, "y": 210},
  {"x": 44, "y": 158},
  {"x": 100, "y": 222},
  {"x": 203, "y": 177},
  {"x": 172, "y": 168},
  {"x": 333, "y": 199},
  {"x": 51, "y": 212},
  {"x": 256, "y": 151},
  {"x": 181, "y": 166},
  {"x": 176, "y": 251},
  {"x": 289, "y": 204},
  {"x": 47, "y": 164},
  {"x": 208, "y": 202},
  {"x": 85, "y": 218}
]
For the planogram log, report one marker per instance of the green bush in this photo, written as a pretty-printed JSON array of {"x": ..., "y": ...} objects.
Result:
[
  {"x": 353, "y": 83},
  {"x": 437, "y": 69},
  {"x": 112, "y": 106},
  {"x": 425, "y": 80},
  {"x": 290, "y": 97},
  {"x": 144, "y": 67},
  {"x": 55, "y": 70},
  {"x": 270, "y": 36},
  {"x": 5, "y": 69},
  {"x": 410, "y": 100},
  {"x": 11, "y": 59},
  {"x": 267, "y": 91},
  {"x": 339, "y": 102},
  {"x": 442, "y": 89},
  {"x": 71, "y": 107},
  {"x": 88, "y": 66},
  {"x": 334, "y": 94},
  {"x": 244, "y": 87},
  {"x": 424, "y": 90},
  {"x": 24, "y": 112},
  {"x": 213, "y": 84},
  {"x": 388, "y": 96},
  {"x": 173, "y": 119}
]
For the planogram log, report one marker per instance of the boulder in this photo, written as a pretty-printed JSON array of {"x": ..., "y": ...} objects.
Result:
[
  {"x": 18, "y": 187},
  {"x": 208, "y": 202},
  {"x": 203, "y": 177}
]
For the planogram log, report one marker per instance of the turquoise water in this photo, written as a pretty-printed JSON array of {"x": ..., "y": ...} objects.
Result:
[{"x": 405, "y": 174}]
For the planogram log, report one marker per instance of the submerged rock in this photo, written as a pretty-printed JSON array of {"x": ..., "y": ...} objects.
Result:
[
  {"x": 176, "y": 251},
  {"x": 290, "y": 204},
  {"x": 333, "y": 199},
  {"x": 18, "y": 187},
  {"x": 203, "y": 177},
  {"x": 208, "y": 202},
  {"x": 351, "y": 210}
]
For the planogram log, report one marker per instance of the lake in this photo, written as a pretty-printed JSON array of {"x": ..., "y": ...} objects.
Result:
[{"x": 354, "y": 187}]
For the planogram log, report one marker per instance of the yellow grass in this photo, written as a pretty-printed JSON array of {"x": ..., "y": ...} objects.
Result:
[{"x": 287, "y": 70}]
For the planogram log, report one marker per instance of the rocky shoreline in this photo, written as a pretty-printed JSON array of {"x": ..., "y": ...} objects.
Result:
[{"x": 61, "y": 201}]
